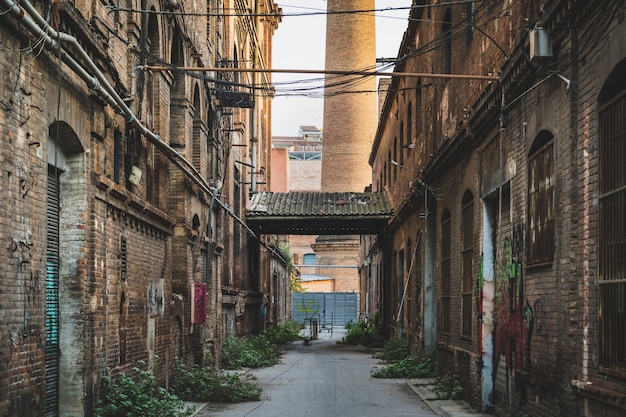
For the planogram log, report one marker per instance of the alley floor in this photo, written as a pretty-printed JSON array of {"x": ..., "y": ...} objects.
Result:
[{"x": 325, "y": 379}]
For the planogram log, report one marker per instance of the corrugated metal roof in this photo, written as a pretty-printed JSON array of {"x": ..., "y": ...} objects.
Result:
[{"x": 319, "y": 212}]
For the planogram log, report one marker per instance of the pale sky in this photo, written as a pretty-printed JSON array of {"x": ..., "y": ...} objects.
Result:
[{"x": 299, "y": 44}]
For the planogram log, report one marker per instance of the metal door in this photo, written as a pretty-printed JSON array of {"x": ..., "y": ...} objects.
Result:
[{"x": 52, "y": 295}]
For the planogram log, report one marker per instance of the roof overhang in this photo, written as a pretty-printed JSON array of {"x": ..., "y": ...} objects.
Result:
[{"x": 319, "y": 213}]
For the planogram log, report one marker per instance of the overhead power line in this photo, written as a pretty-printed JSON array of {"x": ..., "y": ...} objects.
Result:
[
  {"x": 280, "y": 15},
  {"x": 333, "y": 72}
]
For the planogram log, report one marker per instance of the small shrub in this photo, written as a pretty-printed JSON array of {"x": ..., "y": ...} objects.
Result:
[
  {"x": 287, "y": 333},
  {"x": 394, "y": 350},
  {"x": 408, "y": 367},
  {"x": 448, "y": 388},
  {"x": 210, "y": 384},
  {"x": 250, "y": 352},
  {"x": 138, "y": 397},
  {"x": 363, "y": 332}
]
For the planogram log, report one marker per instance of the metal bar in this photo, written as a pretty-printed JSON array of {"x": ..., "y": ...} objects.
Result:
[{"x": 328, "y": 266}]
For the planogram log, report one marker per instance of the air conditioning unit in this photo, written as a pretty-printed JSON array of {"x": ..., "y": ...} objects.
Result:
[{"x": 540, "y": 44}]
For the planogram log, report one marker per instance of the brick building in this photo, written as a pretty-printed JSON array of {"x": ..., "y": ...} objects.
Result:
[
  {"x": 124, "y": 181},
  {"x": 502, "y": 161}
]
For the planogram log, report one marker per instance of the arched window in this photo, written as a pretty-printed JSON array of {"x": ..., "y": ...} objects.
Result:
[
  {"x": 541, "y": 199},
  {"x": 467, "y": 261}
]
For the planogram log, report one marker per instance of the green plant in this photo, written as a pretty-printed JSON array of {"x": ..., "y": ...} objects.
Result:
[
  {"x": 408, "y": 367},
  {"x": 249, "y": 352},
  {"x": 287, "y": 333},
  {"x": 393, "y": 350},
  {"x": 138, "y": 396},
  {"x": 448, "y": 387},
  {"x": 208, "y": 383},
  {"x": 362, "y": 332}
]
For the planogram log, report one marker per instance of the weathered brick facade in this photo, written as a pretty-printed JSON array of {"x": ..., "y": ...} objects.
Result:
[
  {"x": 121, "y": 196},
  {"x": 499, "y": 195}
]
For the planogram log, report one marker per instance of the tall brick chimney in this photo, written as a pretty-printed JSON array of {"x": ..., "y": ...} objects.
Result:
[
  {"x": 350, "y": 114},
  {"x": 350, "y": 122}
]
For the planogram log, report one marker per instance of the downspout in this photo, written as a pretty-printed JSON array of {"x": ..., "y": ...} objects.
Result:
[
  {"x": 101, "y": 86},
  {"x": 209, "y": 233},
  {"x": 254, "y": 140}
]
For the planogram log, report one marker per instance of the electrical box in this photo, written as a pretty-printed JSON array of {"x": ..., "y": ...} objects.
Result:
[{"x": 540, "y": 44}]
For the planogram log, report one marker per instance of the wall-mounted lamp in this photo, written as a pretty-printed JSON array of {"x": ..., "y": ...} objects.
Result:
[
  {"x": 135, "y": 175},
  {"x": 392, "y": 162},
  {"x": 409, "y": 146}
]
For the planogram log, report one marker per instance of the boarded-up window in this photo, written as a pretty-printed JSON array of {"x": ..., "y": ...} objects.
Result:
[
  {"x": 541, "y": 200},
  {"x": 467, "y": 260},
  {"x": 445, "y": 271},
  {"x": 612, "y": 233}
]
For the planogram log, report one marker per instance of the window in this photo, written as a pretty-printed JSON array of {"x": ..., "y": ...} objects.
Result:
[
  {"x": 401, "y": 294},
  {"x": 418, "y": 108},
  {"x": 612, "y": 225},
  {"x": 395, "y": 158},
  {"x": 309, "y": 259},
  {"x": 469, "y": 23},
  {"x": 409, "y": 125},
  {"x": 445, "y": 271},
  {"x": 401, "y": 143},
  {"x": 117, "y": 155},
  {"x": 467, "y": 260},
  {"x": 541, "y": 200},
  {"x": 446, "y": 33}
]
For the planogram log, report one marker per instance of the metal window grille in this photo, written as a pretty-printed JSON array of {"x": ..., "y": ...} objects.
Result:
[
  {"x": 467, "y": 258},
  {"x": 445, "y": 272},
  {"x": 612, "y": 236}
]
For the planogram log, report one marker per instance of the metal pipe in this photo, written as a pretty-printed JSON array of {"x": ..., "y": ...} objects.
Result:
[{"x": 96, "y": 83}]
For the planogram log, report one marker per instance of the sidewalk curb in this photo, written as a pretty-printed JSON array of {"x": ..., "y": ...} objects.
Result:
[{"x": 423, "y": 387}]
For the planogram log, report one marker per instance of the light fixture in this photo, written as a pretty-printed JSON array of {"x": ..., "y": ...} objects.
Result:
[
  {"x": 409, "y": 146},
  {"x": 135, "y": 175},
  {"x": 392, "y": 162},
  {"x": 566, "y": 80}
]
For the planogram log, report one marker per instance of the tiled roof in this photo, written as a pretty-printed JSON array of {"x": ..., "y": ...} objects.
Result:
[{"x": 319, "y": 212}]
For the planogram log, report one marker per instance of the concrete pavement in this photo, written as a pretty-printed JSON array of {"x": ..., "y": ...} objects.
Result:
[{"x": 423, "y": 388}]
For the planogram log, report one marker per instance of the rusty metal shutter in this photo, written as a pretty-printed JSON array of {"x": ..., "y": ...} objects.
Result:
[{"x": 52, "y": 295}]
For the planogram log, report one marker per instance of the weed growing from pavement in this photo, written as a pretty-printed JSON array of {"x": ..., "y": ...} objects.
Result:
[
  {"x": 411, "y": 366},
  {"x": 138, "y": 396},
  {"x": 258, "y": 351},
  {"x": 363, "y": 332},
  {"x": 448, "y": 388},
  {"x": 198, "y": 383},
  {"x": 393, "y": 350}
]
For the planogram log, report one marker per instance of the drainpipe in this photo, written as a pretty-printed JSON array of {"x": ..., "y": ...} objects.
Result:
[
  {"x": 209, "y": 232},
  {"x": 254, "y": 141}
]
